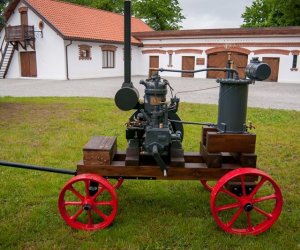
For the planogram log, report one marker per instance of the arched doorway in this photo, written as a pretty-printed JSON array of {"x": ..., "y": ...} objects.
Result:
[{"x": 218, "y": 59}]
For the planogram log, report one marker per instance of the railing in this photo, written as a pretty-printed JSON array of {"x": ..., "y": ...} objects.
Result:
[
  {"x": 2, "y": 49},
  {"x": 19, "y": 33}
]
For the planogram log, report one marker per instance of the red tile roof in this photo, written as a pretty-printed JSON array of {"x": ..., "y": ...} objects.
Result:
[{"x": 84, "y": 23}]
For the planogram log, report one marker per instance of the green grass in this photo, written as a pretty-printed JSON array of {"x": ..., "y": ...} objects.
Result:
[{"x": 152, "y": 214}]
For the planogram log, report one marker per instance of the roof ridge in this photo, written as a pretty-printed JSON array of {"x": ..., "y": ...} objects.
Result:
[
  {"x": 227, "y": 29},
  {"x": 93, "y": 8}
]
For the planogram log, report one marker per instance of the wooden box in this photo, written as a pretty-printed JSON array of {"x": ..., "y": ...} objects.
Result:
[{"x": 100, "y": 150}]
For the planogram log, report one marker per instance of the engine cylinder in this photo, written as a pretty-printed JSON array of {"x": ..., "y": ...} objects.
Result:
[{"x": 233, "y": 98}]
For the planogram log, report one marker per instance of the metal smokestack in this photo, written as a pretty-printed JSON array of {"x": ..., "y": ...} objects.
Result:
[
  {"x": 127, "y": 43},
  {"x": 127, "y": 97}
]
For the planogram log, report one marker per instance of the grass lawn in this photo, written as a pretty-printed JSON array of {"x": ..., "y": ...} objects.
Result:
[{"x": 152, "y": 214}]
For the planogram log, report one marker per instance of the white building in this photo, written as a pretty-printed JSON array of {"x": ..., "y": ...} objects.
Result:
[
  {"x": 198, "y": 49},
  {"x": 49, "y": 39},
  {"x": 57, "y": 40}
]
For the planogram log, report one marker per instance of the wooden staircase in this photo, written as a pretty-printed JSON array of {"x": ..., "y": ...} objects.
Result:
[{"x": 7, "y": 52}]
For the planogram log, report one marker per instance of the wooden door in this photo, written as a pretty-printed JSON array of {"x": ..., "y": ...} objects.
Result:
[
  {"x": 239, "y": 63},
  {"x": 273, "y": 62},
  {"x": 28, "y": 64},
  {"x": 188, "y": 63},
  {"x": 153, "y": 63},
  {"x": 219, "y": 60}
]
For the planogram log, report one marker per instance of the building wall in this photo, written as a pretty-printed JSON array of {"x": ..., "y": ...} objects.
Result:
[
  {"x": 50, "y": 50},
  {"x": 285, "y": 73},
  {"x": 80, "y": 69}
]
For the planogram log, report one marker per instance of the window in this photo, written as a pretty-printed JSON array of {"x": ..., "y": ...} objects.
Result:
[
  {"x": 170, "y": 52},
  {"x": 85, "y": 52},
  {"x": 170, "y": 61},
  {"x": 295, "y": 59},
  {"x": 108, "y": 56},
  {"x": 108, "y": 59}
]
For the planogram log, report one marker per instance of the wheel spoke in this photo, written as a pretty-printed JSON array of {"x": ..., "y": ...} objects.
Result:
[
  {"x": 263, "y": 212},
  {"x": 88, "y": 202},
  {"x": 73, "y": 203},
  {"x": 90, "y": 219},
  {"x": 258, "y": 186},
  {"x": 75, "y": 216},
  {"x": 87, "y": 184},
  {"x": 223, "y": 190},
  {"x": 245, "y": 214},
  {"x": 264, "y": 198},
  {"x": 104, "y": 203},
  {"x": 100, "y": 191},
  {"x": 74, "y": 191},
  {"x": 101, "y": 214},
  {"x": 243, "y": 185},
  {"x": 227, "y": 206},
  {"x": 250, "y": 228},
  {"x": 234, "y": 217}
]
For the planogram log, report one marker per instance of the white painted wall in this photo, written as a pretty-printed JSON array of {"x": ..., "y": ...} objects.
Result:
[
  {"x": 50, "y": 50},
  {"x": 284, "y": 75},
  {"x": 51, "y": 62},
  {"x": 80, "y": 69}
]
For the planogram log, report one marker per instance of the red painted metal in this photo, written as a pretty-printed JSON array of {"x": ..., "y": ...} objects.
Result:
[
  {"x": 89, "y": 213},
  {"x": 118, "y": 183},
  {"x": 253, "y": 219},
  {"x": 206, "y": 185}
]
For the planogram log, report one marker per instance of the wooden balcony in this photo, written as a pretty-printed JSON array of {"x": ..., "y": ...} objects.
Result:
[{"x": 19, "y": 33}]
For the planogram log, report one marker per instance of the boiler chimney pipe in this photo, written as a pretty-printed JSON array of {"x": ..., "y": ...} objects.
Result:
[{"x": 127, "y": 44}]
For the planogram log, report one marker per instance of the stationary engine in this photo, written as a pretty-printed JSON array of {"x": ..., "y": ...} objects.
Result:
[
  {"x": 149, "y": 127},
  {"x": 149, "y": 130},
  {"x": 155, "y": 129}
]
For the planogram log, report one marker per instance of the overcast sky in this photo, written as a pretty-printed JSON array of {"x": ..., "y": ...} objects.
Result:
[{"x": 206, "y": 14}]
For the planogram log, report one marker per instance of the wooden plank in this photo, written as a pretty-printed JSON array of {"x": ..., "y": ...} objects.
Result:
[
  {"x": 192, "y": 171},
  {"x": 190, "y": 157},
  {"x": 132, "y": 156},
  {"x": 100, "y": 150},
  {"x": 206, "y": 129},
  {"x": 177, "y": 157},
  {"x": 248, "y": 160},
  {"x": 219, "y": 142},
  {"x": 100, "y": 143},
  {"x": 213, "y": 160},
  {"x": 120, "y": 156},
  {"x": 193, "y": 157}
]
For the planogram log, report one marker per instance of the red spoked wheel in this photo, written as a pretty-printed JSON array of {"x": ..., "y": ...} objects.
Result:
[
  {"x": 206, "y": 185},
  {"x": 117, "y": 184},
  {"x": 84, "y": 209},
  {"x": 247, "y": 214}
]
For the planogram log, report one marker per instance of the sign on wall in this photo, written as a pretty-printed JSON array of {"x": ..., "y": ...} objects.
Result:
[{"x": 200, "y": 61}]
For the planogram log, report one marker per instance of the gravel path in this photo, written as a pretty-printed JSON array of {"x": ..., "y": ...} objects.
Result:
[{"x": 262, "y": 94}]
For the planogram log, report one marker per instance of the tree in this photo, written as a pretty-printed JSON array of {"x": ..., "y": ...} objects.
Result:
[
  {"x": 3, "y": 4},
  {"x": 269, "y": 13},
  {"x": 158, "y": 14},
  {"x": 109, "y": 5}
]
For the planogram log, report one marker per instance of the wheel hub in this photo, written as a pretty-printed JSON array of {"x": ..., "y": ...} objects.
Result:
[
  {"x": 248, "y": 207},
  {"x": 87, "y": 207}
]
